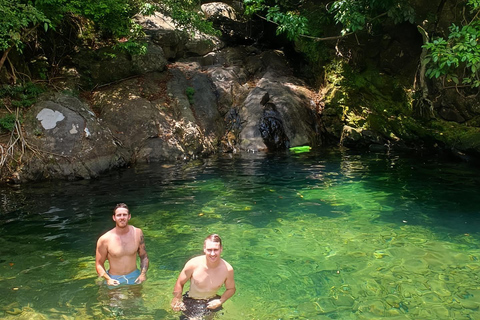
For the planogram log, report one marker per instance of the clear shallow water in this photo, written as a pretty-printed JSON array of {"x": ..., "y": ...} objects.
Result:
[{"x": 326, "y": 236}]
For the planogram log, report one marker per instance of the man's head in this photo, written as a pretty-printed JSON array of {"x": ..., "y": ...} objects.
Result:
[
  {"x": 212, "y": 247},
  {"x": 120, "y": 205},
  {"x": 121, "y": 215},
  {"x": 214, "y": 238}
]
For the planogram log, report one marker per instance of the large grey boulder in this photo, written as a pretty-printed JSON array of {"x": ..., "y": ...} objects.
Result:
[
  {"x": 279, "y": 112},
  {"x": 213, "y": 9},
  {"x": 68, "y": 141}
]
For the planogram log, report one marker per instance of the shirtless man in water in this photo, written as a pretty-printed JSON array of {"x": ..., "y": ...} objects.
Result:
[
  {"x": 207, "y": 274},
  {"x": 120, "y": 247}
]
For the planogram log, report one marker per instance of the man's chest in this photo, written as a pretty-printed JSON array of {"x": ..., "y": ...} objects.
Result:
[
  {"x": 122, "y": 246},
  {"x": 208, "y": 279}
]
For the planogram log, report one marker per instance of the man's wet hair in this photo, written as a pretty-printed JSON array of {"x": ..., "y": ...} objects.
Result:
[
  {"x": 214, "y": 238},
  {"x": 120, "y": 205}
]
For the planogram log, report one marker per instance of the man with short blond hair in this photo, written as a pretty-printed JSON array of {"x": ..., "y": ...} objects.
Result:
[{"x": 207, "y": 274}]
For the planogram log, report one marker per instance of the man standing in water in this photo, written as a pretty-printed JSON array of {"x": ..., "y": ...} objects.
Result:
[
  {"x": 120, "y": 247},
  {"x": 207, "y": 274}
]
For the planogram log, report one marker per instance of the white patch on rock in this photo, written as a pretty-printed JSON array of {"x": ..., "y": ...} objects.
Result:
[
  {"x": 74, "y": 129},
  {"x": 49, "y": 118}
]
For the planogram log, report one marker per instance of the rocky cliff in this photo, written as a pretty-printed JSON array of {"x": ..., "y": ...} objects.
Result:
[{"x": 194, "y": 96}]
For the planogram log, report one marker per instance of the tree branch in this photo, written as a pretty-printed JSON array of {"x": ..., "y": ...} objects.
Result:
[
  {"x": 309, "y": 37},
  {"x": 4, "y": 57}
]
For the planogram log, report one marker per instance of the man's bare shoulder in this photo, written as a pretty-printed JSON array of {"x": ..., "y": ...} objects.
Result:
[
  {"x": 228, "y": 265},
  {"x": 138, "y": 231},
  {"x": 106, "y": 236},
  {"x": 197, "y": 259},
  {"x": 195, "y": 262}
]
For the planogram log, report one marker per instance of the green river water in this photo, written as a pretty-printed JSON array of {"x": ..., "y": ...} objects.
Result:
[{"x": 326, "y": 235}]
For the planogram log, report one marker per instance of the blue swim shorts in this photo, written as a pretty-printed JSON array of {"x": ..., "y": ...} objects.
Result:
[{"x": 125, "y": 279}]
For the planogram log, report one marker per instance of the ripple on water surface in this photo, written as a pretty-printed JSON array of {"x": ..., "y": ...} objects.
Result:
[{"x": 310, "y": 237}]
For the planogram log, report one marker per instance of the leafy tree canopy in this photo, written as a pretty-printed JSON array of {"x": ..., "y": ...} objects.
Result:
[
  {"x": 457, "y": 58},
  {"x": 111, "y": 19},
  {"x": 356, "y": 15},
  {"x": 17, "y": 21},
  {"x": 283, "y": 13},
  {"x": 352, "y": 15},
  {"x": 185, "y": 14}
]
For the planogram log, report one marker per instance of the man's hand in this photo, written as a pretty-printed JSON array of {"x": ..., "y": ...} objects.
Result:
[
  {"x": 142, "y": 277},
  {"x": 113, "y": 282},
  {"x": 177, "y": 304},
  {"x": 214, "y": 304}
]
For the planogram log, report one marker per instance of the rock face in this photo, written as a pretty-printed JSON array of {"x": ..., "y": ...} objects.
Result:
[
  {"x": 280, "y": 107},
  {"x": 228, "y": 100},
  {"x": 68, "y": 140},
  {"x": 193, "y": 96},
  {"x": 97, "y": 67}
]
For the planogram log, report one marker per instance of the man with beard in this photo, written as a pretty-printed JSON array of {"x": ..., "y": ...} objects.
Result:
[
  {"x": 120, "y": 247},
  {"x": 207, "y": 274}
]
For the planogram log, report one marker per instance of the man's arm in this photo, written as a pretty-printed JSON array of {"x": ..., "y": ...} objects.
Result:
[
  {"x": 184, "y": 276},
  {"x": 142, "y": 253},
  {"x": 229, "y": 286},
  {"x": 100, "y": 258},
  {"x": 229, "y": 290}
]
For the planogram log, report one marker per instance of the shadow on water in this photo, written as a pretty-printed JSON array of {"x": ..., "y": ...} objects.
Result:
[
  {"x": 427, "y": 192},
  {"x": 326, "y": 235}
]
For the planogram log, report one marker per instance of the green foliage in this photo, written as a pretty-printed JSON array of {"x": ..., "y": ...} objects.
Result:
[
  {"x": 356, "y": 15},
  {"x": 190, "y": 92},
  {"x": 110, "y": 20},
  {"x": 254, "y": 6},
  {"x": 98, "y": 23},
  {"x": 475, "y": 4},
  {"x": 16, "y": 91},
  {"x": 315, "y": 52},
  {"x": 290, "y": 22},
  {"x": 454, "y": 134},
  {"x": 20, "y": 95},
  {"x": 353, "y": 15},
  {"x": 110, "y": 17},
  {"x": 459, "y": 55},
  {"x": 132, "y": 47},
  {"x": 185, "y": 14},
  {"x": 16, "y": 21},
  {"x": 368, "y": 100},
  {"x": 8, "y": 122}
]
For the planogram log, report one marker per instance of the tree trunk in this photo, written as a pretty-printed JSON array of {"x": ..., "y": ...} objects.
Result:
[{"x": 423, "y": 107}]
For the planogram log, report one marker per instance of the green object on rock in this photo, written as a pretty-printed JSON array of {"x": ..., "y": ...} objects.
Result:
[{"x": 300, "y": 149}]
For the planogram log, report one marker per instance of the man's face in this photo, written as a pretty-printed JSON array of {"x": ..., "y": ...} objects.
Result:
[
  {"x": 212, "y": 250},
  {"x": 121, "y": 217}
]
